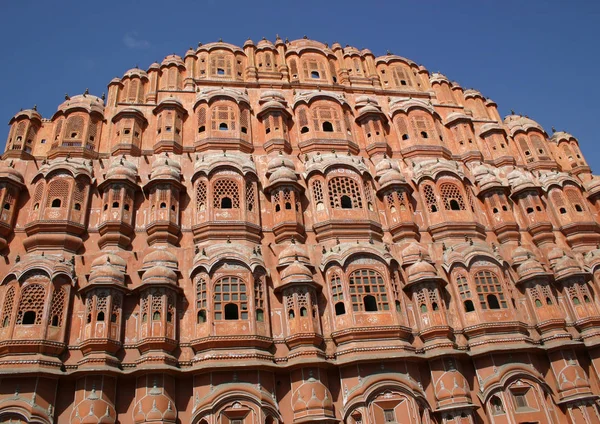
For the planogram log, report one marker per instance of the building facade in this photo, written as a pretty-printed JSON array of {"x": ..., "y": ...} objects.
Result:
[{"x": 293, "y": 232}]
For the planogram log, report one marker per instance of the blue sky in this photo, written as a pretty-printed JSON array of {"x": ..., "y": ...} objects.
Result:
[{"x": 539, "y": 58}]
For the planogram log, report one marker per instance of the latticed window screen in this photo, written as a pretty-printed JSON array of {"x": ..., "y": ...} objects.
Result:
[
  {"x": 200, "y": 293},
  {"x": 223, "y": 118},
  {"x": 57, "y": 130},
  {"x": 534, "y": 294},
  {"x": 540, "y": 148},
  {"x": 156, "y": 306},
  {"x": 302, "y": 118},
  {"x": 173, "y": 77},
  {"x": 294, "y": 68},
  {"x": 312, "y": 66},
  {"x": 32, "y": 300},
  {"x": 57, "y": 307},
  {"x": 579, "y": 293},
  {"x": 430, "y": 199},
  {"x": 201, "y": 196},
  {"x": 74, "y": 127},
  {"x": 317, "y": 189},
  {"x": 366, "y": 282},
  {"x": 7, "y": 309},
  {"x": 422, "y": 124},
  {"x": 244, "y": 120},
  {"x": 79, "y": 193},
  {"x": 226, "y": 188},
  {"x": 402, "y": 127},
  {"x": 230, "y": 290},
  {"x": 449, "y": 193},
  {"x": 567, "y": 151},
  {"x": 201, "y": 118},
  {"x": 326, "y": 114},
  {"x": 250, "y": 196},
  {"x": 339, "y": 187},
  {"x": 259, "y": 295},
  {"x": 332, "y": 69},
  {"x": 58, "y": 189},
  {"x": 102, "y": 302},
  {"x": 401, "y": 77},
  {"x": 116, "y": 308},
  {"x": 221, "y": 66},
  {"x": 574, "y": 198},
  {"x": 487, "y": 284},
  {"x": 144, "y": 308},
  {"x": 337, "y": 292},
  {"x": 368, "y": 192},
  {"x": 132, "y": 96},
  {"x": 463, "y": 287}
]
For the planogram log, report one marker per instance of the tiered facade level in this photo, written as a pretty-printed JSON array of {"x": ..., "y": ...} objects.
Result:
[{"x": 290, "y": 233}]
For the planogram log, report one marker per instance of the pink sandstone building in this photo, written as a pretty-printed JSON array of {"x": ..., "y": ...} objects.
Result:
[{"x": 292, "y": 232}]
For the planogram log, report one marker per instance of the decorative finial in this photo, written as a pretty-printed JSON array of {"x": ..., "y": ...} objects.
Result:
[
  {"x": 553, "y": 129},
  {"x": 86, "y": 92},
  {"x": 305, "y": 37},
  {"x": 103, "y": 97},
  {"x": 67, "y": 96},
  {"x": 34, "y": 107}
]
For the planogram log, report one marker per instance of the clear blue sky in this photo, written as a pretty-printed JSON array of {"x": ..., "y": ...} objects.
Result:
[{"x": 540, "y": 58}]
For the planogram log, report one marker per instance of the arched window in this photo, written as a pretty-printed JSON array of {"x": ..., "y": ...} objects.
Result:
[
  {"x": 221, "y": 65},
  {"x": 489, "y": 291},
  {"x": 31, "y": 305},
  {"x": 201, "y": 299},
  {"x": 337, "y": 294},
  {"x": 223, "y": 118},
  {"x": 226, "y": 194},
  {"x": 367, "y": 291},
  {"x": 465, "y": 293},
  {"x": 451, "y": 197},
  {"x": 327, "y": 119},
  {"x": 58, "y": 192},
  {"x": 201, "y": 196},
  {"x": 230, "y": 299},
  {"x": 401, "y": 77},
  {"x": 57, "y": 307},
  {"x": 340, "y": 187},
  {"x": 74, "y": 130},
  {"x": 496, "y": 406},
  {"x": 430, "y": 199},
  {"x": 7, "y": 309}
]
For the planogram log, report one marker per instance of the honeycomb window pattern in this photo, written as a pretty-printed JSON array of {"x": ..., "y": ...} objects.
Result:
[
  {"x": 226, "y": 188},
  {"x": 430, "y": 199},
  {"x": 451, "y": 197},
  {"x": 31, "y": 304},
  {"x": 7, "y": 309},
  {"x": 341, "y": 188},
  {"x": 57, "y": 307},
  {"x": 201, "y": 196}
]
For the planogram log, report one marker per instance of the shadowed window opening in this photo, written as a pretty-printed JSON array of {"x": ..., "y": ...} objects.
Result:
[
  {"x": 288, "y": 205},
  {"x": 201, "y": 129},
  {"x": 548, "y": 301},
  {"x": 493, "y": 301},
  {"x": 327, "y": 126},
  {"x": 291, "y": 314},
  {"x": 56, "y": 203},
  {"x": 113, "y": 318},
  {"x": 303, "y": 312},
  {"x": 100, "y": 316},
  {"x": 201, "y": 319},
  {"x": 469, "y": 306},
  {"x": 304, "y": 130},
  {"x": 315, "y": 75},
  {"x": 156, "y": 316},
  {"x": 434, "y": 306},
  {"x": 563, "y": 210},
  {"x": 370, "y": 303},
  {"x": 231, "y": 311},
  {"x": 578, "y": 208},
  {"x": 340, "y": 308},
  {"x": 54, "y": 321},
  {"x": 163, "y": 205},
  {"x": 346, "y": 202},
  {"x": 277, "y": 208},
  {"x": 405, "y": 137},
  {"x": 126, "y": 207},
  {"x": 424, "y": 134},
  {"x": 223, "y": 126},
  {"x": 260, "y": 315},
  {"x": 29, "y": 318},
  {"x": 226, "y": 203},
  {"x": 244, "y": 130},
  {"x": 115, "y": 204},
  {"x": 77, "y": 206},
  {"x": 454, "y": 205}
]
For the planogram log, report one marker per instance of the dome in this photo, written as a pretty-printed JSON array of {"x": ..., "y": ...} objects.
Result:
[
  {"x": 135, "y": 72},
  {"x": 391, "y": 177},
  {"x": 109, "y": 258},
  {"x": 160, "y": 257},
  {"x": 265, "y": 44},
  {"x": 452, "y": 388},
  {"x": 269, "y": 95},
  {"x": 473, "y": 93},
  {"x": 172, "y": 59},
  {"x": 87, "y": 102},
  {"x": 312, "y": 400},
  {"x": 295, "y": 272},
  {"x": 154, "y": 66},
  {"x": 437, "y": 77},
  {"x": 530, "y": 268},
  {"x": 122, "y": 169},
  {"x": 31, "y": 114},
  {"x": 94, "y": 410},
  {"x": 517, "y": 123},
  {"x": 159, "y": 274},
  {"x": 281, "y": 169},
  {"x": 420, "y": 270},
  {"x": 155, "y": 406},
  {"x": 106, "y": 273},
  {"x": 413, "y": 252},
  {"x": 520, "y": 180},
  {"x": 293, "y": 252},
  {"x": 559, "y": 136},
  {"x": 9, "y": 173},
  {"x": 164, "y": 167}
]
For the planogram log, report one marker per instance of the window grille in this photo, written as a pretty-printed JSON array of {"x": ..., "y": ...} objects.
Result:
[
  {"x": 32, "y": 299},
  {"x": 201, "y": 196},
  {"x": 226, "y": 188},
  {"x": 489, "y": 288},
  {"x": 250, "y": 196},
  {"x": 223, "y": 118},
  {"x": 7, "y": 309},
  {"x": 451, "y": 197},
  {"x": 339, "y": 187},
  {"x": 57, "y": 307},
  {"x": 365, "y": 283},
  {"x": 230, "y": 291},
  {"x": 337, "y": 292},
  {"x": 317, "y": 191},
  {"x": 58, "y": 189},
  {"x": 430, "y": 199}
]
